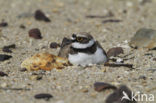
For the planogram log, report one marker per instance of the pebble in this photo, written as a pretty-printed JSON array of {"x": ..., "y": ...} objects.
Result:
[
  {"x": 35, "y": 33},
  {"x": 142, "y": 77},
  {"x": 100, "y": 86},
  {"x": 4, "y": 57},
  {"x": 36, "y": 77},
  {"x": 116, "y": 96},
  {"x": 23, "y": 69},
  {"x": 39, "y": 15},
  {"x": 3, "y": 24},
  {"x": 2, "y": 74},
  {"x": 115, "y": 51},
  {"x": 144, "y": 38},
  {"x": 7, "y": 48},
  {"x": 154, "y": 59},
  {"x": 22, "y": 26},
  {"x": 45, "y": 96},
  {"x": 54, "y": 45}
]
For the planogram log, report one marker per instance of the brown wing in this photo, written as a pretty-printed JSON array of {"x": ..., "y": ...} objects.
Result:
[{"x": 65, "y": 48}]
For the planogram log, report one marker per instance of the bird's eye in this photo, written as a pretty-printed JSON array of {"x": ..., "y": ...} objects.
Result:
[{"x": 79, "y": 39}]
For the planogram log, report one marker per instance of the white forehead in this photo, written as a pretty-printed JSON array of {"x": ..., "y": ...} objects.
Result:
[{"x": 81, "y": 35}]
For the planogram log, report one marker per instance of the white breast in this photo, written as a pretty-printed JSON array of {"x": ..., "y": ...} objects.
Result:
[{"x": 87, "y": 59}]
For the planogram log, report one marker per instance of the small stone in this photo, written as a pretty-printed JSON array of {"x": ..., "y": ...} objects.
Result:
[
  {"x": 154, "y": 59},
  {"x": 2, "y": 74},
  {"x": 35, "y": 33},
  {"x": 142, "y": 77},
  {"x": 3, "y": 24},
  {"x": 39, "y": 15},
  {"x": 36, "y": 77},
  {"x": 45, "y": 96},
  {"x": 144, "y": 38},
  {"x": 100, "y": 86},
  {"x": 116, "y": 96},
  {"x": 54, "y": 45},
  {"x": 115, "y": 51},
  {"x": 7, "y": 48},
  {"x": 4, "y": 57},
  {"x": 23, "y": 69},
  {"x": 22, "y": 26}
]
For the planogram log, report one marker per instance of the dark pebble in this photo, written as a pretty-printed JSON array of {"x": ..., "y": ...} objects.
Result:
[
  {"x": 142, "y": 77},
  {"x": 7, "y": 48},
  {"x": 2, "y": 74},
  {"x": 111, "y": 21},
  {"x": 154, "y": 59},
  {"x": 116, "y": 96},
  {"x": 22, "y": 26},
  {"x": 54, "y": 45},
  {"x": 3, "y": 24},
  {"x": 23, "y": 69},
  {"x": 35, "y": 33},
  {"x": 39, "y": 77},
  {"x": 100, "y": 86},
  {"x": 39, "y": 15},
  {"x": 4, "y": 57},
  {"x": 115, "y": 51},
  {"x": 45, "y": 96}
]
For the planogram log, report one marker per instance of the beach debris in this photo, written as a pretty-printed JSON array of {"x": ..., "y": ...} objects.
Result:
[
  {"x": 4, "y": 57},
  {"x": 45, "y": 96},
  {"x": 14, "y": 89},
  {"x": 3, "y": 24},
  {"x": 7, "y": 48},
  {"x": 54, "y": 45},
  {"x": 23, "y": 69},
  {"x": 35, "y": 33},
  {"x": 100, "y": 86},
  {"x": 119, "y": 65},
  {"x": 22, "y": 26},
  {"x": 144, "y": 38},
  {"x": 121, "y": 95},
  {"x": 110, "y": 14},
  {"x": 142, "y": 77},
  {"x": 40, "y": 16},
  {"x": 2, "y": 74},
  {"x": 44, "y": 61},
  {"x": 115, "y": 51},
  {"x": 36, "y": 77},
  {"x": 111, "y": 21}
]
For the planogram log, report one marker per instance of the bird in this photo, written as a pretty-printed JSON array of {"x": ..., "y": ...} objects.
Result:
[{"x": 82, "y": 49}]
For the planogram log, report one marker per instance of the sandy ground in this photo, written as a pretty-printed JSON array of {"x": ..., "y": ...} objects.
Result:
[{"x": 69, "y": 16}]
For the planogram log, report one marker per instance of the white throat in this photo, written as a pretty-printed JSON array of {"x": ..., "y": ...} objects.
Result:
[{"x": 83, "y": 46}]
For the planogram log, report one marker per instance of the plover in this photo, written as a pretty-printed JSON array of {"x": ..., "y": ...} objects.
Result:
[{"x": 83, "y": 49}]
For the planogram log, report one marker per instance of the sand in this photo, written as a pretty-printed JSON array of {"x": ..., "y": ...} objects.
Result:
[{"x": 69, "y": 16}]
